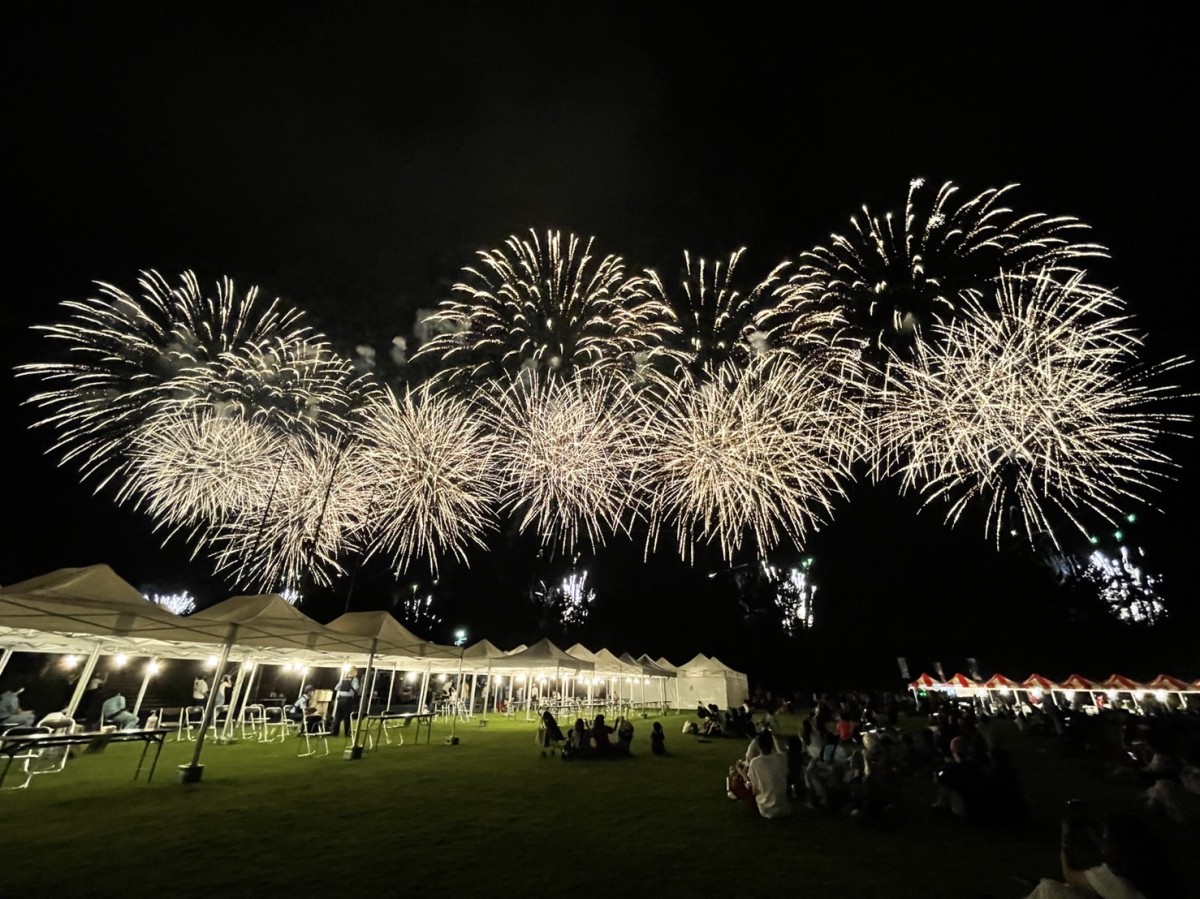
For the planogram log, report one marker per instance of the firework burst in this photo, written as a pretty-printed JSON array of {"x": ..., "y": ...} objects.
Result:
[
  {"x": 715, "y": 316},
  {"x": 568, "y": 456},
  {"x": 546, "y": 305},
  {"x": 1129, "y": 591},
  {"x": 191, "y": 466},
  {"x": 891, "y": 274},
  {"x": 762, "y": 452},
  {"x": 126, "y": 353},
  {"x": 291, "y": 386},
  {"x": 1033, "y": 405},
  {"x": 315, "y": 513},
  {"x": 428, "y": 461}
]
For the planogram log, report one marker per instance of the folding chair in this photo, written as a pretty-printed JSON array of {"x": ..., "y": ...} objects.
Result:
[
  {"x": 189, "y": 719},
  {"x": 26, "y": 758},
  {"x": 275, "y": 725},
  {"x": 320, "y": 733},
  {"x": 366, "y": 730},
  {"x": 253, "y": 720}
]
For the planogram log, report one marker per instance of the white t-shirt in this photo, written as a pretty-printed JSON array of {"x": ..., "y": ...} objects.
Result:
[
  {"x": 1109, "y": 885},
  {"x": 200, "y": 689},
  {"x": 768, "y": 778}
]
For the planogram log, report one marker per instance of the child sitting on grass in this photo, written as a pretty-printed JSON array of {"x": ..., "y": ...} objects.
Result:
[{"x": 658, "y": 740}]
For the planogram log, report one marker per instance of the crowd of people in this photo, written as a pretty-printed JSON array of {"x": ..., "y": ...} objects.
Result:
[
  {"x": 596, "y": 739},
  {"x": 853, "y": 755}
]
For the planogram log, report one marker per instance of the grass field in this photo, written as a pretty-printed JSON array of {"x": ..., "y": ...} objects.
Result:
[{"x": 491, "y": 816}]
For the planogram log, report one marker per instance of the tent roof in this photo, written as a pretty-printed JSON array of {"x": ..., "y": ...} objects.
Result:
[
  {"x": 662, "y": 663},
  {"x": 50, "y": 612},
  {"x": 606, "y": 660},
  {"x": 961, "y": 680},
  {"x": 392, "y": 638},
  {"x": 268, "y": 621},
  {"x": 1167, "y": 682},
  {"x": 93, "y": 583},
  {"x": 580, "y": 651},
  {"x": 654, "y": 667},
  {"x": 699, "y": 662},
  {"x": 646, "y": 669},
  {"x": 484, "y": 649},
  {"x": 1119, "y": 682},
  {"x": 924, "y": 680},
  {"x": 1037, "y": 680},
  {"x": 542, "y": 654},
  {"x": 1077, "y": 682},
  {"x": 997, "y": 681}
]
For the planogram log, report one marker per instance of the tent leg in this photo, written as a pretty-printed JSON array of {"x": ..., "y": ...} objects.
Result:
[
  {"x": 191, "y": 773},
  {"x": 81, "y": 685},
  {"x": 227, "y": 727},
  {"x": 137, "y": 706},
  {"x": 364, "y": 704},
  {"x": 8, "y": 654}
]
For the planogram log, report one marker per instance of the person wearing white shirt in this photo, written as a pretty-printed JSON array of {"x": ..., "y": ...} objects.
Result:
[{"x": 767, "y": 776}]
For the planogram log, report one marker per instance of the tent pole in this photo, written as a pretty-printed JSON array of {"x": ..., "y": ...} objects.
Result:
[
  {"x": 193, "y": 772},
  {"x": 355, "y": 751},
  {"x": 490, "y": 689},
  {"x": 457, "y": 695},
  {"x": 85, "y": 675},
  {"x": 137, "y": 706},
  {"x": 238, "y": 682},
  {"x": 424, "y": 687},
  {"x": 248, "y": 694},
  {"x": 391, "y": 686},
  {"x": 8, "y": 654},
  {"x": 474, "y": 682}
]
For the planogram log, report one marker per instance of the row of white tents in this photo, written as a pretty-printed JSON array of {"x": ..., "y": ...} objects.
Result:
[{"x": 92, "y": 612}]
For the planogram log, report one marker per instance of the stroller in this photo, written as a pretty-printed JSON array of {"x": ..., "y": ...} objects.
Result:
[{"x": 549, "y": 734}]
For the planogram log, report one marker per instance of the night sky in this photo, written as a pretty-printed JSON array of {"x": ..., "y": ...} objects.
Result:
[{"x": 352, "y": 163}]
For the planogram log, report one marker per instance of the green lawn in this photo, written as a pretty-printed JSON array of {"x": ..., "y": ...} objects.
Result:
[{"x": 491, "y": 816}]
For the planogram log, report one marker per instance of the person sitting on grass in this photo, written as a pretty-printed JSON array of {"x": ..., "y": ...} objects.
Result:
[
  {"x": 762, "y": 780},
  {"x": 658, "y": 739},
  {"x": 580, "y": 740},
  {"x": 601, "y": 737},
  {"x": 1117, "y": 859},
  {"x": 624, "y": 736}
]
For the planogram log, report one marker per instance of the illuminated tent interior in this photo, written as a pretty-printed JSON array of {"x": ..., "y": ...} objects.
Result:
[{"x": 92, "y": 612}]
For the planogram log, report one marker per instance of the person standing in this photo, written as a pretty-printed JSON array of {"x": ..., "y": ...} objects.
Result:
[
  {"x": 223, "y": 690},
  {"x": 199, "y": 691},
  {"x": 347, "y": 692}
]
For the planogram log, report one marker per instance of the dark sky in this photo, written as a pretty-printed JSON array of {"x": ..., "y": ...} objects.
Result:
[{"x": 353, "y": 162}]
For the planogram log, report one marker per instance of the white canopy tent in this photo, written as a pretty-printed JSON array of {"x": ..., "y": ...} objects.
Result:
[
  {"x": 92, "y": 611},
  {"x": 479, "y": 656},
  {"x": 393, "y": 642},
  {"x": 539, "y": 663},
  {"x": 705, "y": 680}
]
